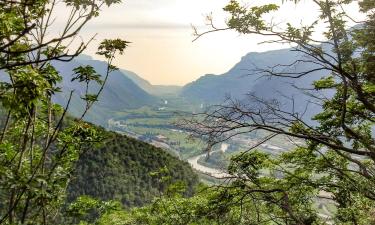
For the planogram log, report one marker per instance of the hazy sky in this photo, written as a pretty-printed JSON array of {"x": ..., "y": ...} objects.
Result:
[{"x": 162, "y": 50}]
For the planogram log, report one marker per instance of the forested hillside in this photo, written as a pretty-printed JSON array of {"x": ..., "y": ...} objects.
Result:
[{"x": 122, "y": 169}]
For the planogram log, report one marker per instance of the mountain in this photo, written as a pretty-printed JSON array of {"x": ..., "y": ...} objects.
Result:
[
  {"x": 154, "y": 90},
  {"x": 121, "y": 170},
  {"x": 245, "y": 78},
  {"x": 157, "y": 90},
  {"x": 120, "y": 92}
]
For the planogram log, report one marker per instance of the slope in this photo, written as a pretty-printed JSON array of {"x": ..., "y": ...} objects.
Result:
[
  {"x": 157, "y": 90},
  {"x": 246, "y": 78},
  {"x": 120, "y": 92},
  {"x": 120, "y": 170}
]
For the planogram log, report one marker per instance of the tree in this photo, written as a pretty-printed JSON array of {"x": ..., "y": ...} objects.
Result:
[
  {"x": 338, "y": 159},
  {"x": 38, "y": 143}
]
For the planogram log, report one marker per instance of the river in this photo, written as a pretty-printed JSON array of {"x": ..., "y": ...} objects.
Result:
[{"x": 220, "y": 174}]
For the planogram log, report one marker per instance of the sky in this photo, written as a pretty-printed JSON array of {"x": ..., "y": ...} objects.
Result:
[{"x": 162, "y": 50}]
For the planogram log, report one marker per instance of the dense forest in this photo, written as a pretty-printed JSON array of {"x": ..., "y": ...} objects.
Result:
[{"x": 122, "y": 169}]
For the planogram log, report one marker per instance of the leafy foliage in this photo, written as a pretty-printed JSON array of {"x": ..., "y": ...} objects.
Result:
[{"x": 38, "y": 147}]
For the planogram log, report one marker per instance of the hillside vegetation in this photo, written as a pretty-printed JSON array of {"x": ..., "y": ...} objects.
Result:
[{"x": 123, "y": 169}]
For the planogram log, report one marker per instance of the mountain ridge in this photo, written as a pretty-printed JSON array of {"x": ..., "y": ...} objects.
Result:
[
  {"x": 119, "y": 93},
  {"x": 156, "y": 90},
  {"x": 248, "y": 77}
]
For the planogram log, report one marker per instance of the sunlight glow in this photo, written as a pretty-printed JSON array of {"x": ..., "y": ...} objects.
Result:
[{"x": 160, "y": 31}]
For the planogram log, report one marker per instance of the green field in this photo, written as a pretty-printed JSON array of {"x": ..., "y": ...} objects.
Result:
[{"x": 148, "y": 123}]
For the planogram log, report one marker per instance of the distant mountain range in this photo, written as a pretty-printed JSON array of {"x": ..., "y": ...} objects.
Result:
[
  {"x": 245, "y": 77},
  {"x": 127, "y": 90},
  {"x": 120, "y": 92},
  {"x": 157, "y": 90}
]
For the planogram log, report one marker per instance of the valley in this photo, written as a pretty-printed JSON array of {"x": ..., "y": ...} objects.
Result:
[
  {"x": 156, "y": 126},
  {"x": 132, "y": 106},
  {"x": 187, "y": 112},
  {"x": 149, "y": 113}
]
